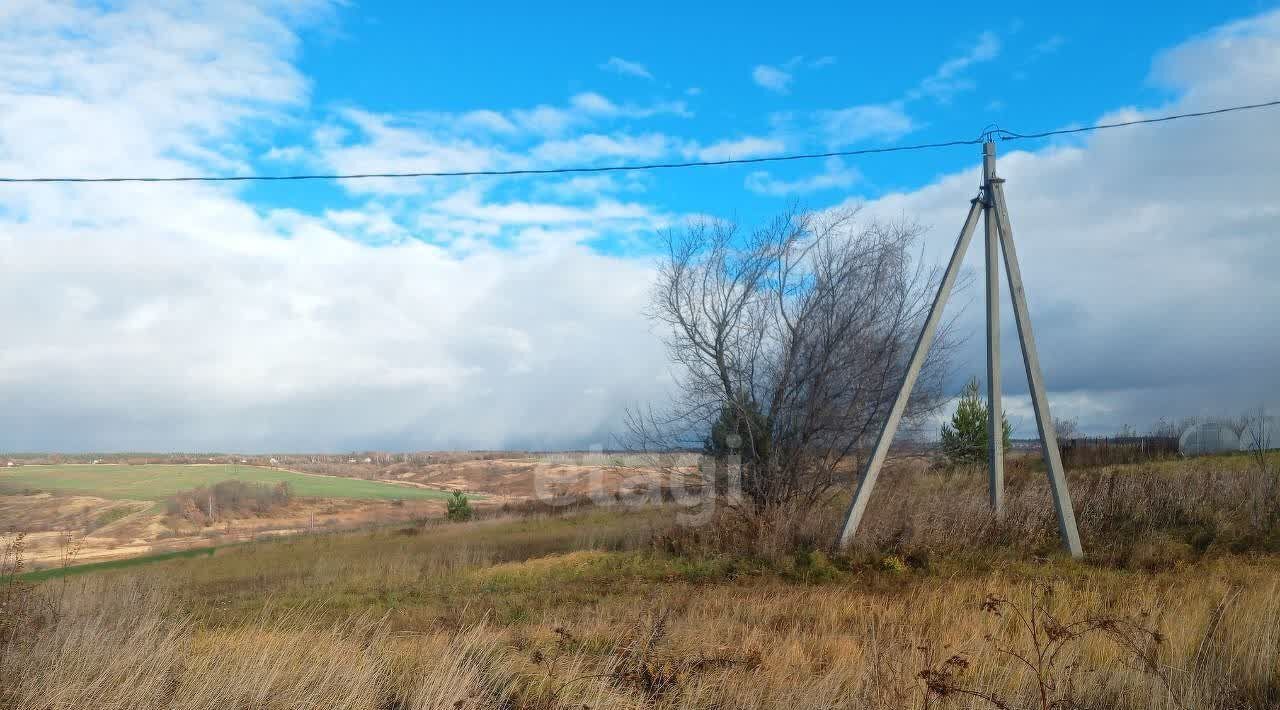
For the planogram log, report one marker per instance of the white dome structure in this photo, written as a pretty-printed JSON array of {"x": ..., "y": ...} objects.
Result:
[
  {"x": 1267, "y": 429},
  {"x": 1208, "y": 438}
]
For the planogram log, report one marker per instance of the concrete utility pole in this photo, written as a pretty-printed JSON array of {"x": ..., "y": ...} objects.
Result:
[
  {"x": 999, "y": 234},
  {"x": 872, "y": 470},
  {"x": 995, "y": 419},
  {"x": 1035, "y": 382}
]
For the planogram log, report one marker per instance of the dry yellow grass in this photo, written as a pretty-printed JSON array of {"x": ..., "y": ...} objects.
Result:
[{"x": 584, "y": 610}]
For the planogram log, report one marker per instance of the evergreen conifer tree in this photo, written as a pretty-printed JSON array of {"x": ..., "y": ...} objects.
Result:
[{"x": 964, "y": 439}]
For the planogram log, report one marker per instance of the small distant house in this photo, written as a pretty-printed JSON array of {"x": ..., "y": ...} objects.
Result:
[
  {"x": 368, "y": 460},
  {"x": 274, "y": 462}
]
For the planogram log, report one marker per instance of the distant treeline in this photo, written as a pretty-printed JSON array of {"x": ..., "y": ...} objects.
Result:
[{"x": 287, "y": 460}]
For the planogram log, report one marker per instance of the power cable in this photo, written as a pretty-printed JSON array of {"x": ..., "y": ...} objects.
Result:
[
  {"x": 1004, "y": 135},
  {"x": 1010, "y": 135},
  {"x": 525, "y": 171}
]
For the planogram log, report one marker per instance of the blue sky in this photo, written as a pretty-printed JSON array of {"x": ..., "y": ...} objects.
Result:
[
  {"x": 487, "y": 313},
  {"x": 1034, "y": 68}
]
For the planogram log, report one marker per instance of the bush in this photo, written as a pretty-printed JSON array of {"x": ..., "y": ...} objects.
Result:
[
  {"x": 204, "y": 504},
  {"x": 459, "y": 508},
  {"x": 815, "y": 566},
  {"x": 894, "y": 564},
  {"x": 775, "y": 535}
]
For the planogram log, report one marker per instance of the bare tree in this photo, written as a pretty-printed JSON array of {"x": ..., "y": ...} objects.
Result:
[
  {"x": 1167, "y": 428},
  {"x": 1066, "y": 429},
  {"x": 1255, "y": 436},
  {"x": 790, "y": 342}
]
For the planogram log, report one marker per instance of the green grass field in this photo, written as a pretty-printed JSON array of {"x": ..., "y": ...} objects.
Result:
[
  {"x": 57, "y": 572},
  {"x": 158, "y": 481}
]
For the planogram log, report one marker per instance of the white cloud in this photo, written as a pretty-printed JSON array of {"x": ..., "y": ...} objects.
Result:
[
  {"x": 468, "y": 204},
  {"x": 56, "y": 99},
  {"x": 458, "y": 313},
  {"x": 779, "y": 78},
  {"x": 369, "y": 142},
  {"x": 544, "y": 120},
  {"x": 285, "y": 154},
  {"x": 618, "y": 65},
  {"x": 1048, "y": 46},
  {"x": 489, "y": 120},
  {"x": 178, "y": 316},
  {"x": 949, "y": 78},
  {"x": 310, "y": 340},
  {"x": 835, "y": 175},
  {"x": 593, "y": 146},
  {"x": 1148, "y": 253},
  {"x": 737, "y": 148},
  {"x": 359, "y": 141},
  {"x": 771, "y": 78},
  {"x": 890, "y": 120},
  {"x": 858, "y": 123},
  {"x": 585, "y": 108},
  {"x": 580, "y": 186},
  {"x": 593, "y": 104}
]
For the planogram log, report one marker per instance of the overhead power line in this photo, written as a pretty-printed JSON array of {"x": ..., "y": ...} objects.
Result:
[
  {"x": 1002, "y": 134},
  {"x": 524, "y": 171},
  {"x": 1010, "y": 135}
]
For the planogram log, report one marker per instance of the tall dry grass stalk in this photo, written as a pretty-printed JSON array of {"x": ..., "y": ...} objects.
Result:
[
  {"x": 1142, "y": 516},
  {"x": 1145, "y": 516},
  {"x": 558, "y": 613}
]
